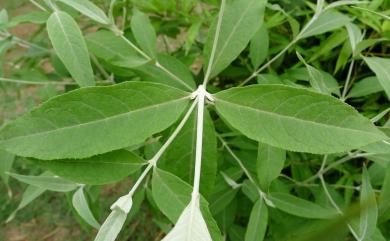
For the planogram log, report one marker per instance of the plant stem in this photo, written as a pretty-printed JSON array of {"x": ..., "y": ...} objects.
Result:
[
  {"x": 201, "y": 92},
  {"x": 38, "y": 5},
  {"x": 215, "y": 43},
  {"x": 348, "y": 80}
]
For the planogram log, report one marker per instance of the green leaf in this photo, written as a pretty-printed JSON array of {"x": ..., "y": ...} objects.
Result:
[
  {"x": 380, "y": 66},
  {"x": 258, "y": 221},
  {"x": 113, "y": 49},
  {"x": 240, "y": 21},
  {"x": 97, "y": 170},
  {"x": 182, "y": 78},
  {"x": 94, "y": 120},
  {"x": 364, "y": 87},
  {"x": 369, "y": 209},
  {"x": 295, "y": 119},
  {"x": 29, "y": 195},
  {"x": 69, "y": 44},
  {"x": 144, "y": 33},
  {"x": 80, "y": 203},
  {"x": 328, "y": 21},
  {"x": 30, "y": 17},
  {"x": 258, "y": 48},
  {"x": 270, "y": 162},
  {"x": 6, "y": 161},
  {"x": 384, "y": 197},
  {"x": 355, "y": 36},
  {"x": 88, "y": 9},
  {"x": 300, "y": 207},
  {"x": 48, "y": 182},
  {"x": 180, "y": 156},
  {"x": 172, "y": 195},
  {"x": 219, "y": 201}
]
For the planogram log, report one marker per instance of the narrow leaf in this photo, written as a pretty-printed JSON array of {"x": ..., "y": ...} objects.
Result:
[
  {"x": 258, "y": 221},
  {"x": 97, "y": 170},
  {"x": 113, "y": 49},
  {"x": 295, "y": 119},
  {"x": 112, "y": 226},
  {"x": 52, "y": 183},
  {"x": 144, "y": 33},
  {"x": 240, "y": 21},
  {"x": 89, "y": 9},
  {"x": 80, "y": 203},
  {"x": 270, "y": 162},
  {"x": 69, "y": 44},
  {"x": 328, "y": 21},
  {"x": 6, "y": 161},
  {"x": 300, "y": 207},
  {"x": 364, "y": 87},
  {"x": 91, "y": 121},
  {"x": 380, "y": 66},
  {"x": 258, "y": 48}
]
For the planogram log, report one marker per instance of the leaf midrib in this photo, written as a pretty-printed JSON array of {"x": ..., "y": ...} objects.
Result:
[
  {"x": 96, "y": 121},
  {"x": 296, "y": 119}
]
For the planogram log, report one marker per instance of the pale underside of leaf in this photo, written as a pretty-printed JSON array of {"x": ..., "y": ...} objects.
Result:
[{"x": 190, "y": 226}]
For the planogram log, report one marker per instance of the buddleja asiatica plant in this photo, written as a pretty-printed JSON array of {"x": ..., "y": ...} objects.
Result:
[{"x": 99, "y": 135}]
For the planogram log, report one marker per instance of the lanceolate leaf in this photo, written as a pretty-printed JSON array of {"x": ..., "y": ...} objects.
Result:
[
  {"x": 89, "y": 9},
  {"x": 190, "y": 226},
  {"x": 80, "y": 203},
  {"x": 328, "y": 21},
  {"x": 94, "y": 120},
  {"x": 300, "y": 207},
  {"x": 69, "y": 44},
  {"x": 181, "y": 77},
  {"x": 111, "y": 48},
  {"x": 258, "y": 221},
  {"x": 112, "y": 226},
  {"x": 270, "y": 162},
  {"x": 380, "y": 66},
  {"x": 240, "y": 21},
  {"x": 144, "y": 33},
  {"x": 49, "y": 182},
  {"x": 369, "y": 209},
  {"x": 172, "y": 195},
  {"x": 295, "y": 119},
  {"x": 180, "y": 156},
  {"x": 259, "y": 45},
  {"x": 97, "y": 170}
]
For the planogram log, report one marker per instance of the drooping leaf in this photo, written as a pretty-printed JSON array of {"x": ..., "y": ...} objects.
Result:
[
  {"x": 190, "y": 226},
  {"x": 144, "y": 33},
  {"x": 240, "y": 21},
  {"x": 258, "y": 48},
  {"x": 384, "y": 197},
  {"x": 300, "y": 207},
  {"x": 328, "y": 21},
  {"x": 270, "y": 162},
  {"x": 180, "y": 156},
  {"x": 95, "y": 120},
  {"x": 172, "y": 195},
  {"x": 29, "y": 195},
  {"x": 258, "y": 222},
  {"x": 114, "y": 50},
  {"x": 97, "y": 170},
  {"x": 52, "y": 183},
  {"x": 89, "y": 9},
  {"x": 112, "y": 226},
  {"x": 295, "y": 119},
  {"x": 80, "y": 203},
  {"x": 177, "y": 74},
  {"x": 380, "y": 66},
  {"x": 69, "y": 44}
]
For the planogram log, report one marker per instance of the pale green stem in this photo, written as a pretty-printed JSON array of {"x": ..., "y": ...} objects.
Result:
[
  {"x": 348, "y": 80},
  {"x": 38, "y": 5}
]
